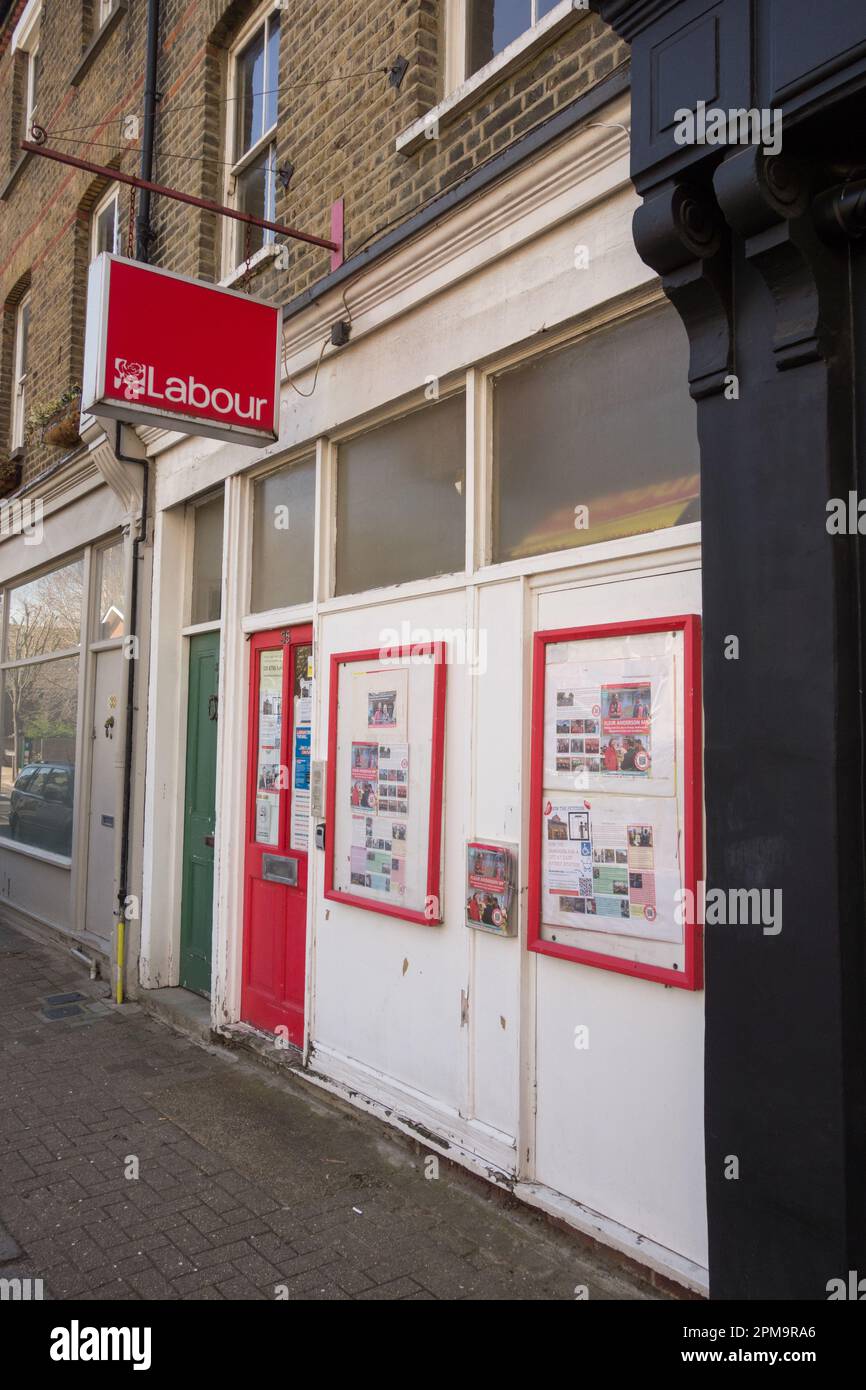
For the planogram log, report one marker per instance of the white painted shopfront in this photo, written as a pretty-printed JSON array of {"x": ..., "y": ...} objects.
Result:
[{"x": 466, "y": 1036}]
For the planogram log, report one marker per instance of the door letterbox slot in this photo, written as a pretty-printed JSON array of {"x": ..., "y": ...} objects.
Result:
[{"x": 277, "y": 869}]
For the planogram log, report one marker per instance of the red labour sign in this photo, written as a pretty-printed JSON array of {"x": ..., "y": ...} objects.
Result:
[{"x": 161, "y": 349}]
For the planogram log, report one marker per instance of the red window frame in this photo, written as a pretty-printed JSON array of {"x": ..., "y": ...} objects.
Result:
[
  {"x": 691, "y": 976},
  {"x": 437, "y": 764}
]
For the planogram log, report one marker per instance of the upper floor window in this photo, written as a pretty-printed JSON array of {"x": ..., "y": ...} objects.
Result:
[
  {"x": 19, "y": 376},
  {"x": 105, "y": 226},
  {"x": 482, "y": 32},
  {"x": 252, "y": 117},
  {"x": 102, "y": 11},
  {"x": 491, "y": 25},
  {"x": 25, "y": 39},
  {"x": 32, "y": 85}
]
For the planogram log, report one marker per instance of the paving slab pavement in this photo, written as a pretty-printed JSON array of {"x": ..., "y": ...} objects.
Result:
[{"x": 136, "y": 1163}]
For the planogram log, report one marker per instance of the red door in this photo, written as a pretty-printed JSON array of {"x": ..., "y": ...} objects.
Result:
[{"x": 277, "y": 826}]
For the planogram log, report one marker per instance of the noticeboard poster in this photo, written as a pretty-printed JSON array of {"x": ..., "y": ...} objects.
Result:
[
  {"x": 385, "y": 762},
  {"x": 616, "y": 826},
  {"x": 270, "y": 727}
]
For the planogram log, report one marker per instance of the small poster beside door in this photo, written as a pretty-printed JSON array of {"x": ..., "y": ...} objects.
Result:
[{"x": 490, "y": 887}]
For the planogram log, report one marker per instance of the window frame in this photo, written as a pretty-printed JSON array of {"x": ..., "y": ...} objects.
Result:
[
  {"x": 456, "y": 384},
  {"x": 192, "y": 506},
  {"x": 240, "y": 161},
  {"x": 309, "y": 455},
  {"x": 605, "y": 316},
  {"x": 20, "y": 350},
  {"x": 608, "y": 314}
]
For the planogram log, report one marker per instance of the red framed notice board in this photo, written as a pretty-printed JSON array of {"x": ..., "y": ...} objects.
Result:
[
  {"x": 386, "y": 736},
  {"x": 616, "y": 849}
]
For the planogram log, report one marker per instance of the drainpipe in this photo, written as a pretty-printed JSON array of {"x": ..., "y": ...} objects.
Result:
[
  {"x": 142, "y": 228},
  {"x": 142, "y": 240}
]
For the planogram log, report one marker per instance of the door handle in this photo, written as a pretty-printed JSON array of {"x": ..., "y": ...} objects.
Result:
[
  {"x": 213, "y": 707},
  {"x": 208, "y": 839}
]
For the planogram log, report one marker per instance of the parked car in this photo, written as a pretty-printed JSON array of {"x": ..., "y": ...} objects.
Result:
[{"x": 40, "y": 806}]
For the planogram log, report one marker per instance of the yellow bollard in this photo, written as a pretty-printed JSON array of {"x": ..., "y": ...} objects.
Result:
[{"x": 118, "y": 988}]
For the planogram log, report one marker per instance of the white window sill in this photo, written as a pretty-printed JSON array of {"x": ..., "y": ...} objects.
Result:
[
  {"x": 31, "y": 852},
  {"x": 448, "y": 111},
  {"x": 264, "y": 253}
]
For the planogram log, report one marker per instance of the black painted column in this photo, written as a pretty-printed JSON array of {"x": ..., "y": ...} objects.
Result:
[{"x": 769, "y": 283}]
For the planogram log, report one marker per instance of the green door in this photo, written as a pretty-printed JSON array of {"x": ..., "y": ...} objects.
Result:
[{"x": 196, "y": 924}]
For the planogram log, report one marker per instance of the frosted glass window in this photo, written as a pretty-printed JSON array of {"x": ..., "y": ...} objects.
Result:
[
  {"x": 400, "y": 499},
  {"x": 110, "y": 619},
  {"x": 596, "y": 440},
  {"x": 207, "y": 563},
  {"x": 284, "y": 515}
]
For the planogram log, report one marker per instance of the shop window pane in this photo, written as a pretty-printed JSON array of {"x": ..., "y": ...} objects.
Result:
[
  {"x": 37, "y": 778},
  {"x": 207, "y": 563},
  {"x": 45, "y": 615},
  {"x": 110, "y": 618},
  {"x": 400, "y": 507},
  {"x": 606, "y": 425},
  {"x": 284, "y": 508}
]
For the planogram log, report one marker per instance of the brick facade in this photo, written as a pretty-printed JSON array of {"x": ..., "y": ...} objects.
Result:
[{"x": 338, "y": 119}]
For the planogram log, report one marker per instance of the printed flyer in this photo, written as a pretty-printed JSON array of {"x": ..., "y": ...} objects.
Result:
[
  {"x": 609, "y": 722},
  {"x": 300, "y": 830},
  {"x": 611, "y": 864},
  {"x": 378, "y": 854},
  {"x": 379, "y": 703},
  {"x": 380, "y": 778},
  {"x": 625, "y": 723},
  {"x": 578, "y": 728}
]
